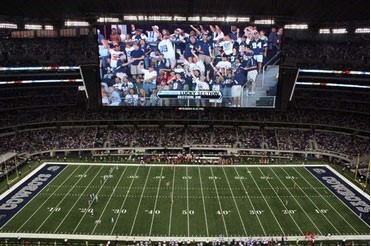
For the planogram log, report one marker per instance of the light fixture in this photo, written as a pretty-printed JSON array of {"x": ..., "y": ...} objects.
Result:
[
  {"x": 339, "y": 31},
  {"x": 243, "y": 19},
  {"x": 212, "y": 19},
  {"x": 108, "y": 19},
  {"x": 160, "y": 18},
  {"x": 230, "y": 19},
  {"x": 179, "y": 18},
  {"x": 296, "y": 26},
  {"x": 76, "y": 23},
  {"x": 130, "y": 17},
  {"x": 362, "y": 30},
  {"x": 194, "y": 18},
  {"x": 8, "y": 26},
  {"x": 48, "y": 27},
  {"x": 324, "y": 31},
  {"x": 33, "y": 27},
  {"x": 264, "y": 22}
]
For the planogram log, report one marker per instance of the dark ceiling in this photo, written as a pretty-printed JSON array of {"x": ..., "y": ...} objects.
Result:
[{"x": 312, "y": 11}]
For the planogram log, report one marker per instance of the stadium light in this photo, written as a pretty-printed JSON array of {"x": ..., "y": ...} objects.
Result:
[
  {"x": 160, "y": 18},
  {"x": 230, "y": 19},
  {"x": 108, "y": 19},
  {"x": 33, "y": 27},
  {"x": 76, "y": 23},
  {"x": 339, "y": 31},
  {"x": 8, "y": 26},
  {"x": 324, "y": 31},
  {"x": 362, "y": 30},
  {"x": 48, "y": 27},
  {"x": 243, "y": 19},
  {"x": 264, "y": 22},
  {"x": 179, "y": 18},
  {"x": 194, "y": 18},
  {"x": 296, "y": 26},
  {"x": 130, "y": 17},
  {"x": 212, "y": 19}
]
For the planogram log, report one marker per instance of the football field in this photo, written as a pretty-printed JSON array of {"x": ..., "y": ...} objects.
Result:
[{"x": 128, "y": 201}]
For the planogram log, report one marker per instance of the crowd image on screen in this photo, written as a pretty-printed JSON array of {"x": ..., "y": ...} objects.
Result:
[{"x": 136, "y": 65}]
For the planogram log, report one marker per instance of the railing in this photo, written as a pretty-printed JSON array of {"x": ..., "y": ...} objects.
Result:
[{"x": 268, "y": 63}]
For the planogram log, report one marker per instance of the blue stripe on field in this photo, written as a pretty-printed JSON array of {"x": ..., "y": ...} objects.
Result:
[
  {"x": 355, "y": 200},
  {"x": 17, "y": 199}
]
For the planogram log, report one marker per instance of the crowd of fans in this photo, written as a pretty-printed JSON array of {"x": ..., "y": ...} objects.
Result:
[
  {"x": 16, "y": 52},
  {"x": 138, "y": 64},
  {"x": 156, "y": 136},
  {"x": 324, "y": 55},
  {"x": 317, "y": 118}
]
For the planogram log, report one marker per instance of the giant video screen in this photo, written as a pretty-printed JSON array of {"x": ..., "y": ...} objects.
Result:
[{"x": 188, "y": 65}]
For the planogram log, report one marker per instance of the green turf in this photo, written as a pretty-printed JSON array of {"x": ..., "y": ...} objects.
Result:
[{"x": 208, "y": 201}]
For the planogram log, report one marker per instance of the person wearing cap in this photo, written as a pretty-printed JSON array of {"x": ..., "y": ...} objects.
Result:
[
  {"x": 178, "y": 38},
  {"x": 223, "y": 64},
  {"x": 204, "y": 48},
  {"x": 152, "y": 37},
  {"x": 190, "y": 47},
  {"x": 242, "y": 44},
  {"x": 122, "y": 65},
  {"x": 250, "y": 65},
  {"x": 149, "y": 78},
  {"x": 137, "y": 34}
]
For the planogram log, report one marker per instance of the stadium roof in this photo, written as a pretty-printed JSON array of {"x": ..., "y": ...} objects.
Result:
[{"x": 314, "y": 11}]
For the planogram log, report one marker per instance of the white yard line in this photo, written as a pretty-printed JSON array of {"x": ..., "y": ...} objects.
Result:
[
  {"x": 315, "y": 205},
  {"x": 83, "y": 216},
  {"x": 64, "y": 197},
  {"x": 130, "y": 239},
  {"x": 140, "y": 201},
  {"x": 220, "y": 205},
  {"x": 203, "y": 202},
  {"x": 123, "y": 203},
  {"x": 252, "y": 205},
  {"x": 81, "y": 194},
  {"x": 235, "y": 203},
  {"x": 178, "y": 165},
  {"x": 155, "y": 206},
  {"x": 305, "y": 212},
  {"x": 336, "y": 211},
  {"x": 187, "y": 201},
  {"x": 351, "y": 184},
  {"x": 109, "y": 199},
  {"x": 266, "y": 202},
  {"x": 30, "y": 217},
  {"x": 279, "y": 197},
  {"x": 171, "y": 207}
]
